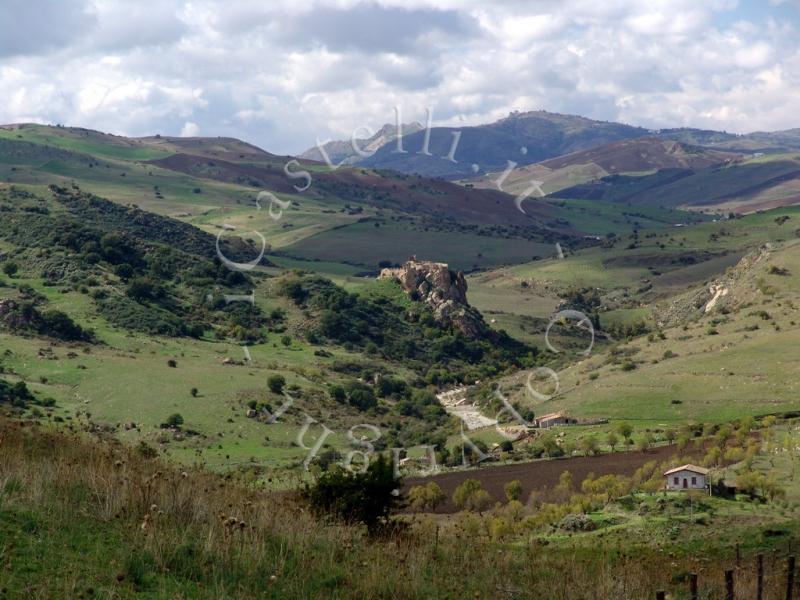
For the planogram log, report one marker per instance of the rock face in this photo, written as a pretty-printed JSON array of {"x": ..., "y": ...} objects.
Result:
[{"x": 445, "y": 291}]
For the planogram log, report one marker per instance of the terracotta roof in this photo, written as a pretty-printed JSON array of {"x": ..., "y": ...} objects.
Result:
[
  {"x": 547, "y": 417},
  {"x": 692, "y": 468}
]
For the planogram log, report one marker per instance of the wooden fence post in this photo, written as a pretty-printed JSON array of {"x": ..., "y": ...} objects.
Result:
[
  {"x": 693, "y": 586},
  {"x": 760, "y": 577},
  {"x": 789, "y": 578},
  {"x": 729, "y": 595},
  {"x": 738, "y": 555}
]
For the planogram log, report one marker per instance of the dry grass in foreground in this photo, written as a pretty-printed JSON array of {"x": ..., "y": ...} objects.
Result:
[{"x": 87, "y": 518}]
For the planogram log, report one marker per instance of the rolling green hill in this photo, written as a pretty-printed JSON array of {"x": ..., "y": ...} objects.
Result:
[
  {"x": 116, "y": 318},
  {"x": 745, "y": 185},
  {"x": 118, "y": 236},
  {"x": 717, "y": 351},
  {"x": 637, "y": 157},
  {"x": 214, "y": 183}
]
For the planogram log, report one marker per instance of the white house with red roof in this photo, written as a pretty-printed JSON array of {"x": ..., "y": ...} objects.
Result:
[{"x": 686, "y": 477}]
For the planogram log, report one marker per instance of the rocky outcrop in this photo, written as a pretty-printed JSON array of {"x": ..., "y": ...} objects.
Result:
[
  {"x": 445, "y": 291},
  {"x": 738, "y": 286}
]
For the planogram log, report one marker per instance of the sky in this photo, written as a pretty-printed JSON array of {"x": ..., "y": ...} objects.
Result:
[{"x": 283, "y": 74}]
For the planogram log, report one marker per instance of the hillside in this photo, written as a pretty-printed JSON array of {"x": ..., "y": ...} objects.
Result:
[
  {"x": 772, "y": 142},
  {"x": 725, "y": 348},
  {"x": 522, "y": 137},
  {"x": 315, "y": 318},
  {"x": 83, "y": 516},
  {"x": 213, "y": 183},
  {"x": 637, "y": 157},
  {"x": 342, "y": 152},
  {"x": 126, "y": 339},
  {"x": 756, "y": 183},
  {"x": 350, "y": 220},
  {"x": 101, "y": 301}
]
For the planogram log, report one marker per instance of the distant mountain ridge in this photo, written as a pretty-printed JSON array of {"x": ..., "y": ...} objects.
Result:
[
  {"x": 636, "y": 156},
  {"x": 342, "y": 151},
  {"x": 526, "y": 138},
  {"x": 787, "y": 140},
  {"x": 522, "y": 137}
]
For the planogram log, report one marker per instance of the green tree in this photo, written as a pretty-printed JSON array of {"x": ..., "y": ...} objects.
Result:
[
  {"x": 513, "y": 490},
  {"x": 10, "y": 268},
  {"x": 470, "y": 495},
  {"x": 565, "y": 483},
  {"x": 625, "y": 430},
  {"x": 275, "y": 383},
  {"x": 642, "y": 444},
  {"x": 361, "y": 396},
  {"x": 144, "y": 288},
  {"x": 588, "y": 445},
  {"x": 569, "y": 447},
  {"x": 362, "y": 497},
  {"x": 426, "y": 497},
  {"x": 337, "y": 393},
  {"x": 612, "y": 440},
  {"x": 713, "y": 457},
  {"x": 124, "y": 271},
  {"x": 175, "y": 420},
  {"x": 550, "y": 446},
  {"x": 750, "y": 482},
  {"x": 607, "y": 486}
]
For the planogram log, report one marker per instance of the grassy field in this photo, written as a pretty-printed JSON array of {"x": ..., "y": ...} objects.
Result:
[
  {"x": 662, "y": 264},
  {"x": 84, "y": 141},
  {"x": 723, "y": 365},
  {"x": 83, "y": 517},
  {"x": 367, "y": 244},
  {"x": 636, "y": 275},
  {"x": 744, "y": 185},
  {"x": 126, "y": 379}
]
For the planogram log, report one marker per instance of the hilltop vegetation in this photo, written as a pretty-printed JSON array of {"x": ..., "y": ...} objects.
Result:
[
  {"x": 144, "y": 272},
  {"x": 388, "y": 326}
]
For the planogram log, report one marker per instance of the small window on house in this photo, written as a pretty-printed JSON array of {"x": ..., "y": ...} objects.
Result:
[
  {"x": 675, "y": 480},
  {"x": 694, "y": 480}
]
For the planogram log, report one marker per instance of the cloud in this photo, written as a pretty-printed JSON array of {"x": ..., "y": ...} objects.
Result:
[
  {"x": 42, "y": 26},
  {"x": 190, "y": 129},
  {"x": 282, "y": 73},
  {"x": 371, "y": 28}
]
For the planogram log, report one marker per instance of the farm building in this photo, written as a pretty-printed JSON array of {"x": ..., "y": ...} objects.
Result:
[
  {"x": 686, "y": 477},
  {"x": 553, "y": 419}
]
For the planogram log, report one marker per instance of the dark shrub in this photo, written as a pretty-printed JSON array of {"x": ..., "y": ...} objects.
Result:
[
  {"x": 366, "y": 498},
  {"x": 275, "y": 383}
]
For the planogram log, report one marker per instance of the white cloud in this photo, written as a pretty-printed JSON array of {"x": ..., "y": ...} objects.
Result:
[
  {"x": 282, "y": 73},
  {"x": 190, "y": 129}
]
